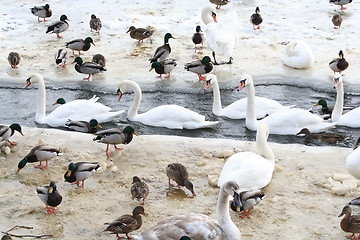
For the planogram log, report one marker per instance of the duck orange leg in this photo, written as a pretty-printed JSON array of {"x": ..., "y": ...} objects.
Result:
[
  {"x": 82, "y": 185},
  {"x": 58, "y": 35},
  {"x": 38, "y": 166},
  {"x": 201, "y": 78},
  {"x": 350, "y": 236},
  {"x": 170, "y": 185},
  {"x": 116, "y": 148},
  {"x": 12, "y": 143},
  {"x": 44, "y": 167},
  {"x": 87, "y": 77},
  {"x": 159, "y": 76},
  {"x": 244, "y": 214},
  {"x": 168, "y": 76},
  {"x": 107, "y": 151}
]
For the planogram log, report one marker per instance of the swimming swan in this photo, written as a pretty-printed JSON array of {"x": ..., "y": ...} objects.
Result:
[{"x": 298, "y": 54}]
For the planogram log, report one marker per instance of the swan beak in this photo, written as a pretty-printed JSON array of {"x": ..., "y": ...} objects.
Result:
[
  {"x": 214, "y": 16},
  {"x": 68, "y": 173},
  {"x": 242, "y": 84},
  {"x": 336, "y": 82},
  {"x": 99, "y": 126},
  {"x": 120, "y": 94},
  {"x": 136, "y": 133},
  {"x": 27, "y": 83},
  {"x": 207, "y": 85},
  {"x": 237, "y": 202},
  {"x": 151, "y": 69}
]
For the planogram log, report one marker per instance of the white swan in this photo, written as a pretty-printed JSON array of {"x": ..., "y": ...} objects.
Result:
[
  {"x": 284, "y": 122},
  {"x": 169, "y": 116},
  {"x": 237, "y": 110},
  {"x": 251, "y": 171},
  {"x": 298, "y": 54},
  {"x": 353, "y": 161},
  {"x": 351, "y": 118},
  {"x": 77, "y": 110},
  {"x": 220, "y": 37}
]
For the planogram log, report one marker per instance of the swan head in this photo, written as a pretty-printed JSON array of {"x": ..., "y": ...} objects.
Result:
[
  {"x": 246, "y": 79},
  {"x": 337, "y": 79},
  {"x": 33, "y": 78},
  {"x": 210, "y": 79},
  {"x": 231, "y": 188},
  {"x": 208, "y": 14},
  {"x": 123, "y": 86}
]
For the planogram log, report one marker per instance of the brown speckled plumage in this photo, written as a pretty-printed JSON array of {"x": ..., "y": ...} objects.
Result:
[
  {"x": 350, "y": 223},
  {"x": 178, "y": 173}
]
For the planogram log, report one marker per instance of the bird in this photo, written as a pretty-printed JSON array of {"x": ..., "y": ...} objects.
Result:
[
  {"x": 256, "y": 19},
  {"x": 353, "y": 160},
  {"x": 140, "y": 33},
  {"x": 7, "y": 131},
  {"x": 95, "y": 23},
  {"x": 80, "y": 44},
  {"x": 90, "y": 68},
  {"x": 99, "y": 59},
  {"x": 325, "y": 137},
  {"x": 164, "y": 67},
  {"x": 80, "y": 171},
  {"x": 355, "y": 201},
  {"x": 350, "y": 223},
  {"x": 115, "y": 136},
  {"x": 139, "y": 190},
  {"x": 198, "y": 38},
  {"x": 77, "y": 110},
  {"x": 248, "y": 200},
  {"x": 341, "y": 3},
  {"x": 185, "y": 238},
  {"x": 42, "y": 12},
  {"x": 14, "y": 59},
  {"x": 61, "y": 56},
  {"x": 59, "y": 26},
  {"x": 337, "y": 20},
  {"x": 200, "y": 67},
  {"x": 178, "y": 173},
  {"x": 39, "y": 153},
  {"x": 324, "y": 106},
  {"x": 339, "y": 64},
  {"x": 50, "y": 196},
  {"x": 169, "y": 116},
  {"x": 83, "y": 126},
  {"x": 298, "y": 55},
  {"x": 219, "y": 3},
  {"x": 162, "y": 52},
  {"x": 127, "y": 223}
]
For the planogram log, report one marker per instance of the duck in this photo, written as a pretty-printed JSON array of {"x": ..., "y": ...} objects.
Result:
[
  {"x": 200, "y": 67},
  {"x": 237, "y": 110},
  {"x": 325, "y": 137},
  {"x": 168, "y": 116},
  {"x": 77, "y": 110},
  {"x": 80, "y": 44},
  {"x": 140, "y": 33},
  {"x": 219, "y": 3},
  {"x": 50, "y": 196},
  {"x": 59, "y": 26},
  {"x": 256, "y": 19},
  {"x": 298, "y": 55},
  {"x": 350, "y": 223},
  {"x": 139, "y": 190},
  {"x": 14, "y": 59},
  {"x": 39, "y": 153},
  {"x": 42, "y": 12},
  {"x": 115, "y": 136},
  {"x": 324, "y": 106},
  {"x": 353, "y": 161},
  {"x": 339, "y": 64},
  {"x": 7, "y": 131},
  {"x": 127, "y": 223},
  {"x": 99, "y": 59},
  {"x": 164, "y": 67},
  {"x": 61, "y": 56},
  {"x": 80, "y": 171},
  {"x": 355, "y": 201},
  {"x": 248, "y": 200},
  {"x": 198, "y": 38},
  {"x": 95, "y": 23},
  {"x": 90, "y": 68},
  {"x": 285, "y": 122},
  {"x": 341, "y": 3},
  {"x": 162, "y": 52},
  {"x": 178, "y": 173},
  {"x": 220, "y": 37},
  {"x": 185, "y": 238},
  {"x": 83, "y": 126},
  {"x": 336, "y": 20}
]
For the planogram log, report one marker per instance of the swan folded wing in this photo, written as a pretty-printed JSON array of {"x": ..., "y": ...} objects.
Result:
[
  {"x": 221, "y": 39},
  {"x": 351, "y": 118}
]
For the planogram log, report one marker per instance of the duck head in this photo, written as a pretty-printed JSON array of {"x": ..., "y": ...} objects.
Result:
[
  {"x": 129, "y": 129},
  {"x": 59, "y": 101},
  {"x": 22, "y": 164},
  {"x": 16, "y": 127},
  {"x": 89, "y": 40}
]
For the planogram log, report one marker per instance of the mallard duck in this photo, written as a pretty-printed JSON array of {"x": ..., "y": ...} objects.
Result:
[
  {"x": 80, "y": 44},
  {"x": 95, "y": 23},
  {"x": 298, "y": 55},
  {"x": 80, "y": 171},
  {"x": 50, "y": 196},
  {"x": 337, "y": 20},
  {"x": 324, "y": 107},
  {"x": 14, "y": 59},
  {"x": 350, "y": 223},
  {"x": 139, "y": 33},
  {"x": 42, "y": 12},
  {"x": 185, "y": 238},
  {"x": 7, "y": 131},
  {"x": 198, "y": 38},
  {"x": 248, "y": 200},
  {"x": 83, "y": 126},
  {"x": 39, "y": 153},
  {"x": 219, "y": 3},
  {"x": 355, "y": 201},
  {"x": 127, "y": 223},
  {"x": 163, "y": 67},
  {"x": 139, "y": 190},
  {"x": 341, "y": 3},
  {"x": 61, "y": 56},
  {"x": 90, "y": 68},
  {"x": 339, "y": 64},
  {"x": 256, "y": 18},
  {"x": 178, "y": 173},
  {"x": 115, "y": 136},
  {"x": 326, "y": 137},
  {"x": 59, "y": 26},
  {"x": 162, "y": 52},
  {"x": 353, "y": 160},
  {"x": 99, "y": 59},
  {"x": 200, "y": 67}
]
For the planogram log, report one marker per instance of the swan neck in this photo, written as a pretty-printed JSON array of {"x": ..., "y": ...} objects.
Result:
[
  {"x": 206, "y": 16},
  {"x": 264, "y": 149},
  {"x": 41, "y": 104},
  {"x": 338, "y": 108},
  {"x": 133, "y": 110},
  {"x": 217, "y": 108},
  {"x": 251, "y": 121}
]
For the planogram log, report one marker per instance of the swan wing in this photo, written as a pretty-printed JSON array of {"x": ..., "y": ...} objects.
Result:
[
  {"x": 353, "y": 163},
  {"x": 221, "y": 38},
  {"x": 351, "y": 118},
  {"x": 299, "y": 56}
]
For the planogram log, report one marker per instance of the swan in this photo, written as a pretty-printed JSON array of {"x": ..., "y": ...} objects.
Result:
[
  {"x": 77, "y": 110},
  {"x": 237, "y": 110},
  {"x": 298, "y": 54},
  {"x": 353, "y": 160},
  {"x": 349, "y": 119},
  {"x": 284, "y": 122},
  {"x": 169, "y": 116},
  {"x": 220, "y": 37}
]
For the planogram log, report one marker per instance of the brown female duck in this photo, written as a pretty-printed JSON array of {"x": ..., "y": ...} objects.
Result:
[
  {"x": 139, "y": 33},
  {"x": 14, "y": 59},
  {"x": 350, "y": 223},
  {"x": 139, "y": 190},
  {"x": 178, "y": 173},
  {"x": 95, "y": 23},
  {"x": 325, "y": 137}
]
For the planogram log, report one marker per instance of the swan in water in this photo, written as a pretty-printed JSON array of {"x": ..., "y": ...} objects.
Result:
[
  {"x": 298, "y": 54},
  {"x": 284, "y": 122},
  {"x": 237, "y": 110},
  {"x": 169, "y": 116},
  {"x": 77, "y": 110}
]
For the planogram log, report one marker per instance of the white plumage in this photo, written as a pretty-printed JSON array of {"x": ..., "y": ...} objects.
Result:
[{"x": 298, "y": 54}]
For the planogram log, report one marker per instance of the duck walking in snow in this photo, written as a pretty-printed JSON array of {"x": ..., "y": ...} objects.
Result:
[
  {"x": 200, "y": 67},
  {"x": 95, "y": 23},
  {"x": 7, "y": 131},
  {"x": 80, "y": 44},
  {"x": 178, "y": 173},
  {"x": 139, "y": 190},
  {"x": 80, "y": 171},
  {"x": 14, "y": 59},
  {"x": 50, "y": 196},
  {"x": 162, "y": 52},
  {"x": 198, "y": 38},
  {"x": 256, "y": 18},
  {"x": 219, "y": 3},
  {"x": 61, "y": 56},
  {"x": 337, "y": 20},
  {"x": 59, "y": 26},
  {"x": 339, "y": 64},
  {"x": 42, "y": 12},
  {"x": 90, "y": 68},
  {"x": 163, "y": 67},
  {"x": 139, "y": 33},
  {"x": 341, "y": 3}
]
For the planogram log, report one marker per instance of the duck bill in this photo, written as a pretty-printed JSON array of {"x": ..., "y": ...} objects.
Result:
[
  {"x": 316, "y": 104},
  {"x": 151, "y": 69},
  {"x": 341, "y": 214},
  {"x": 193, "y": 193},
  {"x": 21, "y": 133},
  {"x": 54, "y": 103},
  {"x": 136, "y": 133},
  {"x": 99, "y": 126},
  {"x": 27, "y": 83},
  {"x": 237, "y": 202},
  {"x": 51, "y": 189},
  {"x": 68, "y": 173},
  {"x": 18, "y": 170},
  {"x": 93, "y": 44}
]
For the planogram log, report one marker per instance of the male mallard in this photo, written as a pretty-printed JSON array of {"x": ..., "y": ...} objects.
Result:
[
  {"x": 219, "y": 3},
  {"x": 339, "y": 64},
  {"x": 248, "y": 200},
  {"x": 337, "y": 20},
  {"x": 50, "y": 196},
  {"x": 83, "y": 126},
  {"x": 350, "y": 223},
  {"x": 42, "y": 12},
  {"x": 61, "y": 56},
  {"x": 7, "y": 131},
  {"x": 198, "y": 38},
  {"x": 115, "y": 136},
  {"x": 256, "y": 18},
  {"x": 99, "y": 59},
  {"x": 38, "y": 154},
  {"x": 178, "y": 173},
  {"x": 95, "y": 23},
  {"x": 127, "y": 223},
  {"x": 341, "y": 3},
  {"x": 200, "y": 67},
  {"x": 90, "y": 68},
  {"x": 14, "y": 59},
  {"x": 80, "y": 171},
  {"x": 162, "y": 52},
  {"x": 326, "y": 137},
  {"x": 139, "y": 190},
  {"x": 59, "y": 26},
  {"x": 139, "y": 33},
  {"x": 80, "y": 44},
  {"x": 324, "y": 107},
  {"x": 163, "y": 67}
]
